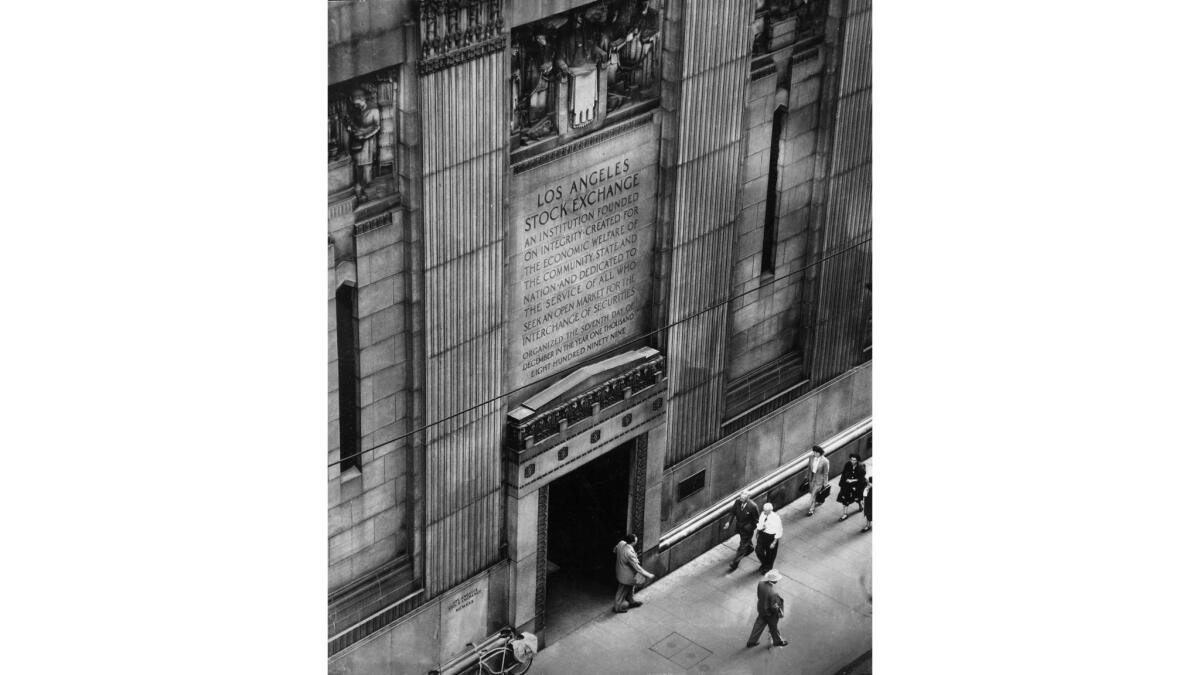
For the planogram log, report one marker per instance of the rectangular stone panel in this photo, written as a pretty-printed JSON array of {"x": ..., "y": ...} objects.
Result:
[
  {"x": 464, "y": 618},
  {"x": 580, "y": 241}
]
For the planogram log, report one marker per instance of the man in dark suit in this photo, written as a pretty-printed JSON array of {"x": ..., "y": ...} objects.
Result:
[
  {"x": 770, "y": 611},
  {"x": 744, "y": 516}
]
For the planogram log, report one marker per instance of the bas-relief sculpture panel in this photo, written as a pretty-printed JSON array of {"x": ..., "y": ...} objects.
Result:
[
  {"x": 570, "y": 70},
  {"x": 361, "y": 134},
  {"x": 581, "y": 240}
]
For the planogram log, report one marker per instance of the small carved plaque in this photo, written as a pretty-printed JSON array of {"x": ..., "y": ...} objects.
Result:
[
  {"x": 562, "y": 453},
  {"x": 627, "y": 419},
  {"x": 530, "y": 469},
  {"x": 596, "y": 436}
]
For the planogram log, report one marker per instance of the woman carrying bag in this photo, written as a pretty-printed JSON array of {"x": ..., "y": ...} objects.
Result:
[
  {"x": 851, "y": 484},
  {"x": 867, "y": 494}
]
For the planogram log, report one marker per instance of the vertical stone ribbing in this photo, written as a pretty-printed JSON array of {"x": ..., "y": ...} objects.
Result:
[
  {"x": 464, "y": 151},
  {"x": 841, "y": 300},
  {"x": 706, "y": 70}
]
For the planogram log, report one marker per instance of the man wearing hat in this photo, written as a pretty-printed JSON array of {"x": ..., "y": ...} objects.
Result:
[{"x": 770, "y": 611}]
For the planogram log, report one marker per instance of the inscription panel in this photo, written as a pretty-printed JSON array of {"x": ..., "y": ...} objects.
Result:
[
  {"x": 464, "y": 618},
  {"x": 581, "y": 240}
]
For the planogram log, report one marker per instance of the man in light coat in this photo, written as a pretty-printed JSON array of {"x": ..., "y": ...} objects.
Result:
[
  {"x": 818, "y": 476},
  {"x": 770, "y": 611},
  {"x": 628, "y": 567}
]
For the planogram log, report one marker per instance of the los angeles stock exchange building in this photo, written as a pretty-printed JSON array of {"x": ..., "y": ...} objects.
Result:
[{"x": 594, "y": 268}]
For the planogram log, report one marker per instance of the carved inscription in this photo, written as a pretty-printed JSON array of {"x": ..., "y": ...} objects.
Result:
[
  {"x": 580, "y": 251},
  {"x": 465, "y": 600},
  {"x": 582, "y": 235},
  {"x": 464, "y": 618}
]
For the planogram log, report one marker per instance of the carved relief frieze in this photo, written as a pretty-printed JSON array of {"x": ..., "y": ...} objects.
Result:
[
  {"x": 456, "y": 31},
  {"x": 571, "y": 69},
  {"x": 362, "y": 136},
  {"x": 550, "y": 422}
]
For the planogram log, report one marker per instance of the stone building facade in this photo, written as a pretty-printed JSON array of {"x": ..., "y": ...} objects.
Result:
[{"x": 594, "y": 268}]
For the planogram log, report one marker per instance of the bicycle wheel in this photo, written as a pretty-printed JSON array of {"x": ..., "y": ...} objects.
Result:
[
  {"x": 500, "y": 661},
  {"x": 495, "y": 661},
  {"x": 519, "y": 668}
]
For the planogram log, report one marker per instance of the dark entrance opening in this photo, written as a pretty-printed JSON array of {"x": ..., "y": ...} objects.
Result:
[{"x": 588, "y": 513}]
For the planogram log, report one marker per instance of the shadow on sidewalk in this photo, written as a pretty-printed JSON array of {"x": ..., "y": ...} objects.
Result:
[{"x": 859, "y": 666}]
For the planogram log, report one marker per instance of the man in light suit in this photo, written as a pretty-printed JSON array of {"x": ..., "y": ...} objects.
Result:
[
  {"x": 770, "y": 611},
  {"x": 628, "y": 568},
  {"x": 818, "y": 476}
]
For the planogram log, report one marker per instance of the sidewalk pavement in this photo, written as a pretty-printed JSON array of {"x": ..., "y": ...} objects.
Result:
[{"x": 697, "y": 619}]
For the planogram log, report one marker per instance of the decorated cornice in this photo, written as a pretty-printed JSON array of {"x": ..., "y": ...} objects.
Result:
[
  {"x": 457, "y": 31},
  {"x": 373, "y": 223},
  {"x": 536, "y": 428}
]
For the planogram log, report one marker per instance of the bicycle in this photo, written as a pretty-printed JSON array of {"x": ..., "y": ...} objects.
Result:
[{"x": 513, "y": 657}]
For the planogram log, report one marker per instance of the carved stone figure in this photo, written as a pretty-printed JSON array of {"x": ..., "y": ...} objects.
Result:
[{"x": 363, "y": 122}]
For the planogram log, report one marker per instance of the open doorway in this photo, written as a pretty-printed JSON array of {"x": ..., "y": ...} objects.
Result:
[{"x": 588, "y": 513}]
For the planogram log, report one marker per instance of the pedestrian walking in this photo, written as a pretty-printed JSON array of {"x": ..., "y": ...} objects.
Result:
[
  {"x": 867, "y": 502},
  {"x": 818, "y": 477},
  {"x": 851, "y": 484},
  {"x": 744, "y": 516},
  {"x": 770, "y": 611},
  {"x": 770, "y": 529},
  {"x": 630, "y": 574}
]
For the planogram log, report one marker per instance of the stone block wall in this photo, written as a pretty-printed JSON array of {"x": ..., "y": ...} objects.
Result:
[
  {"x": 765, "y": 314},
  {"x": 366, "y": 35},
  {"x": 368, "y": 523},
  {"x": 370, "y": 518}
]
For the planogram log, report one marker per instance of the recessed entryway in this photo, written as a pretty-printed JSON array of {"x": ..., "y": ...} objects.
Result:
[{"x": 587, "y": 514}]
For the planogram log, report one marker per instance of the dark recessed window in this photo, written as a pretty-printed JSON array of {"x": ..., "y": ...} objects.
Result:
[
  {"x": 347, "y": 359},
  {"x": 772, "y": 217},
  {"x": 690, "y": 485}
]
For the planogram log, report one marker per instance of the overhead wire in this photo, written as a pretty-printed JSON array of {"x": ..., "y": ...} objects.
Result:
[{"x": 623, "y": 345}]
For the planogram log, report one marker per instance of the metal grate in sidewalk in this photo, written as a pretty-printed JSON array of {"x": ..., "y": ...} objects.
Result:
[{"x": 680, "y": 650}]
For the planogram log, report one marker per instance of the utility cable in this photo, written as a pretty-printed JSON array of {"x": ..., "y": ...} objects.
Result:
[{"x": 606, "y": 351}]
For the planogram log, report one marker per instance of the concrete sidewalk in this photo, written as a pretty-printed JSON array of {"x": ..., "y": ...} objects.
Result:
[{"x": 697, "y": 619}]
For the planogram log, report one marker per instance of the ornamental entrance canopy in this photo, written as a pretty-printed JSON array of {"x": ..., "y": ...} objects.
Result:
[{"x": 584, "y": 393}]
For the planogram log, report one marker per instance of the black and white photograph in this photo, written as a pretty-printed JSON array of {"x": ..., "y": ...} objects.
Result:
[
  {"x": 566, "y": 349},
  {"x": 599, "y": 302}
]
